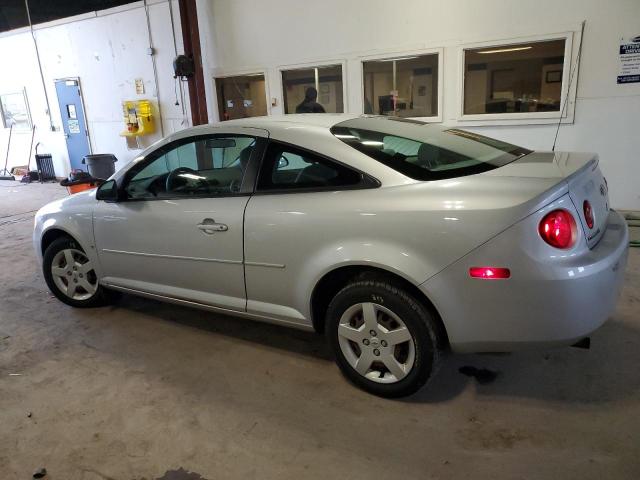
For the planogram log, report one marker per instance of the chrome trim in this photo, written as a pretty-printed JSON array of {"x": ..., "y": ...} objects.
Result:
[
  {"x": 205, "y": 306},
  {"x": 264, "y": 264},
  {"x": 176, "y": 257}
]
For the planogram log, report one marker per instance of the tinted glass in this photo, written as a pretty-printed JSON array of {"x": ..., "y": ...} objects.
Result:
[
  {"x": 326, "y": 80},
  {"x": 288, "y": 167},
  {"x": 206, "y": 166},
  {"x": 241, "y": 96},
  {"x": 520, "y": 78},
  {"x": 402, "y": 87},
  {"x": 425, "y": 152}
]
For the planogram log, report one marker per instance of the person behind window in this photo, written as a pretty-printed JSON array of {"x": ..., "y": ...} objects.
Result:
[{"x": 309, "y": 104}]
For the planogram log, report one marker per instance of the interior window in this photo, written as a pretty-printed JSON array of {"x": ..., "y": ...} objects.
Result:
[
  {"x": 241, "y": 96},
  {"x": 325, "y": 84},
  {"x": 401, "y": 87},
  {"x": 514, "y": 78},
  {"x": 213, "y": 165},
  {"x": 287, "y": 167}
]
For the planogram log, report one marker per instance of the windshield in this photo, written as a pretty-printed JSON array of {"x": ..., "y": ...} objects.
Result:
[{"x": 425, "y": 152}]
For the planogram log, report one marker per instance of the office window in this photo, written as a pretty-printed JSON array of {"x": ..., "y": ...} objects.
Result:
[
  {"x": 514, "y": 78},
  {"x": 402, "y": 87},
  {"x": 241, "y": 96},
  {"x": 326, "y": 80},
  {"x": 15, "y": 110}
]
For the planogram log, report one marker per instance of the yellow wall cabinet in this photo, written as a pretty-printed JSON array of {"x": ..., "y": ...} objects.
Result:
[{"x": 138, "y": 118}]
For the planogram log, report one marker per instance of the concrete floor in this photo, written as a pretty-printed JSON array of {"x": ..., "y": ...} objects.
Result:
[{"x": 148, "y": 390}]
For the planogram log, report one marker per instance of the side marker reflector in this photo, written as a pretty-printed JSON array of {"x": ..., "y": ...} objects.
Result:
[{"x": 489, "y": 273}]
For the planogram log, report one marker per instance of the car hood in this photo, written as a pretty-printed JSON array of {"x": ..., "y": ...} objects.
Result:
[{"x": 72, "y": 202}]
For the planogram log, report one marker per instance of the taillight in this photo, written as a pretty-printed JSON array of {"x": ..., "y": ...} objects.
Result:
[
  {"x": 489, "y": 273},
  {"x": 588, "y": 213},
  {"x": 558, "y": 229}
]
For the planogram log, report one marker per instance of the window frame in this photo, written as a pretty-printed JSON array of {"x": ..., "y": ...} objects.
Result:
[
  {"x": 241, "y": 73},
  {"x": 249, "y": 179},
  {"x": 404, "y": 54},
  {"x": 522, "y": 118},
  {"x": 366, "y": 180},
  {"x": 319, "y": 64},
  {"x": 25, "y": 99}
]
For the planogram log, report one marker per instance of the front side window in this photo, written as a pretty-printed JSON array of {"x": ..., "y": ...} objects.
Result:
[
  {"x": 401, "y": 87},
  {"x": 210, "y": 165},
  {"x": 241, "y": 96},
  {"x": 425, "y": 152},
  {"x": 313, "y": 90},
  {"x": 290, "y": 168},
  {"x": 515, "y": 78}
]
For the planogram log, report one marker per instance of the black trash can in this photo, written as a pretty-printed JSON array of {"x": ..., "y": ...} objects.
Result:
[{"x": 101, "y": 165}]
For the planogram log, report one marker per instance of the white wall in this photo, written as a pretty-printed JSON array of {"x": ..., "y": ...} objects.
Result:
[
  {"x": 246, "y": 36},
  {"x": 107, "y": 50}
]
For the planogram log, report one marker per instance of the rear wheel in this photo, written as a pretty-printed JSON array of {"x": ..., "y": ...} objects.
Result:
[
  {"x": 383, "y": 339},
  {"x": 70, "y": 275}
]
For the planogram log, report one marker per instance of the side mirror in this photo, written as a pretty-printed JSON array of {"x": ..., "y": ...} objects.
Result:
[
  {"x": 108, "y": 191},
  {"x": 283, "y": 162}
]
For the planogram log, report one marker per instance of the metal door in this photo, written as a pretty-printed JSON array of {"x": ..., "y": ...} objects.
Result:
[
  {"x": 73, "y": 121},
  {"x": 163, "y": 247}
]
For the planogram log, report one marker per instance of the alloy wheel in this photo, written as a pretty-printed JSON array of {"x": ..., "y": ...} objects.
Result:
[
  {"x": 376, "y": 342},
  {"x": 73, "y": 274}
]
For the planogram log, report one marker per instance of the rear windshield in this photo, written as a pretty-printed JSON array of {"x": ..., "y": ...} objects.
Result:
[{"x": 425, "y": 152}]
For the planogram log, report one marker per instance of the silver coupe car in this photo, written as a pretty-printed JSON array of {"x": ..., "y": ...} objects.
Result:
[{"x": 397, "y": 239}]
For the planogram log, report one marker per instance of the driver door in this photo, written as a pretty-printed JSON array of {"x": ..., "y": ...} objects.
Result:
[{"x": 179, "y": 232}]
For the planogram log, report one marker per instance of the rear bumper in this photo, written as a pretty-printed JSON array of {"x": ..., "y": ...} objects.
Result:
[{"x": 553, "y": 297}]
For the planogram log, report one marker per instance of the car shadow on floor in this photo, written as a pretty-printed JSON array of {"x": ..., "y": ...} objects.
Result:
[
  {"x": 274, "y": 336},
  {"x": 606, "y": 372}
]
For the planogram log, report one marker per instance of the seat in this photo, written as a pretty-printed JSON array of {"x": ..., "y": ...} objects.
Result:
[{"x": 429, "y": 156}]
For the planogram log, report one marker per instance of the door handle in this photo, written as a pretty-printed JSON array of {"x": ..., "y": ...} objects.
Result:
[{"x": 209, "y": 226}]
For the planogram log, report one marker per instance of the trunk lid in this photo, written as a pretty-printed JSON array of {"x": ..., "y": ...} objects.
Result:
[{"x": 583, "y": 177}]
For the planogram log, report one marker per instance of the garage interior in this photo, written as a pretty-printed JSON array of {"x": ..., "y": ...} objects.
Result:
[{"x": 147, "y": 390}]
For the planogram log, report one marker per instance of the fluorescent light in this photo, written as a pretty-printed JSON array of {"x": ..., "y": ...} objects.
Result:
[{"x": 502, "y": 50}]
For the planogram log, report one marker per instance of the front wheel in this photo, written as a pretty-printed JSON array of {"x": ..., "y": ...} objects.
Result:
[
  {"x": 383, "y": 339},
  {"x": 70, "y": 275}
]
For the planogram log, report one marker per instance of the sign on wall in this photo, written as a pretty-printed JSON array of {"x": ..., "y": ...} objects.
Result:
[{"x": 629, "y": 68}]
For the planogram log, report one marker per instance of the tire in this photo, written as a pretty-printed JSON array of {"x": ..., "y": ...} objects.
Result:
[
  {"x": 59, "y": 273},
  {"x": 405, "y": 331}
]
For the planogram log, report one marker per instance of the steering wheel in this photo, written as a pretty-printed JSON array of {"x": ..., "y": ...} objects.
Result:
[{"x": 174, "y": 180}]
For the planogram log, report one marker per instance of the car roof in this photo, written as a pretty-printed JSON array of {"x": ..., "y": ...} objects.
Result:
[
  {"x": 299, "y": 129},
  {"x": 326, "y": 120},
  {"x": 309, "y": 131}
]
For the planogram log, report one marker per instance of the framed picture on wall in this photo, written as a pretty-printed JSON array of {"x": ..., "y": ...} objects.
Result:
[
  {"x": 553, "y": 76},
  {"x": 14, "y": 108}
]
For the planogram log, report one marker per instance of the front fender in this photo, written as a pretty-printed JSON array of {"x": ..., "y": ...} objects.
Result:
[{"x": 72, "y": 215}]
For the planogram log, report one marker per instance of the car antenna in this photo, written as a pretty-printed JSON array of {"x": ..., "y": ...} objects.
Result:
[{"x": 573, "y": 71}]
